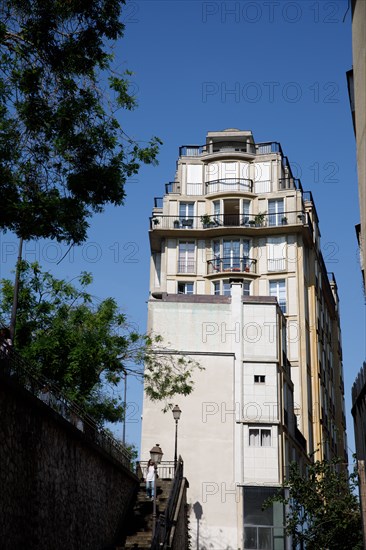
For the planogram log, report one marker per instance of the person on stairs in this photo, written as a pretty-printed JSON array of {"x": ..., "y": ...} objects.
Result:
[{"x": 150, "y": 479}]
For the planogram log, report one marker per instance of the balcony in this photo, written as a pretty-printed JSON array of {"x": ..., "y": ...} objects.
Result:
[
  {"x": 231, "y": 147},
  {"x": 231, "y": 265},
  {"x": 229, "y": 185},
  {"x": 276, "y": 264},
  {"x": 215, "y": 221},
  {"x": 233, "y": 185}
]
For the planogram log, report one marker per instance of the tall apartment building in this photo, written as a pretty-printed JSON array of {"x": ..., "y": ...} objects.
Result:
[
  {"x": 357, "y": 93},
  {"x": 238, "y": 282}
]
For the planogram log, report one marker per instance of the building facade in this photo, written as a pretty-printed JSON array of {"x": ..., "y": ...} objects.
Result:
[
  {"x": 238, "y": 282},
  {"x": 357, "y": 93}
]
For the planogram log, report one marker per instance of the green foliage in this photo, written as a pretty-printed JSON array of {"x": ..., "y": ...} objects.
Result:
[
  {"x": 323, "y": 511},
  {"x": 86, "y": 347},
  {"x": 64, "y": 154}
]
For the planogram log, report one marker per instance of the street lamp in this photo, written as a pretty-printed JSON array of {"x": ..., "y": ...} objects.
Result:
[
  {"x": 156, "y": 455},
  {"x": 124, "y": 405},
  {"x": 176, "y": 415}
]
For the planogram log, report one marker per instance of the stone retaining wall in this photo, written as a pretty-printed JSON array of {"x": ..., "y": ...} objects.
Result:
[{"x": 58, "y": 491}]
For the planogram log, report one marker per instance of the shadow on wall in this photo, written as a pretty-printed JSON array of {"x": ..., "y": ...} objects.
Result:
[{"x": 202, "y": 542}]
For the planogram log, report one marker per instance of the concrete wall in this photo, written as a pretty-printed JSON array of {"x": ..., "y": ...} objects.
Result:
[
  {"x": 57, "y": 490},
  {"x": 213, "y": 432}
]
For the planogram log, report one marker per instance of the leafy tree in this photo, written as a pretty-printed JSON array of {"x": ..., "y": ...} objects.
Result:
[
  {"x": 63, "y": 152},
  {"x": 86, "y": 347},
  {"x": 323, "y": 511}
]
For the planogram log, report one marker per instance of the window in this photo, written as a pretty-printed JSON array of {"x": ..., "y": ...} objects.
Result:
[
  {"x": 246, "y": 210},
  {"x": 246, "y": 288},
  {"x": 259, "y": 437},
  {"x": 231, "y": 252},
  {"x": 185, "y": 288},
  {"x": 231, "y": 255},
  {"x": 258, "y": 538},
  {"x": 186, "y": 253},
  {"x": 246, "y": 261},
  {"x": 263, "y": 528},
  {"x": 216, "y": 288},
  {"x": 259, "y": 379},
  {"x": 186, "y": 211},
  {"x": 194, "y": 179},
  {"x": 278, "y": 289},
  {"x": 226, "y": 287},
  {"x": 217, "y": 212},
  {"x": 275, "y": 211},
  {"x": 276, "y": 258}
]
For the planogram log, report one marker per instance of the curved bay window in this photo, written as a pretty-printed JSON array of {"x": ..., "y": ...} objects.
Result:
[{"x": 231, "y": 256}]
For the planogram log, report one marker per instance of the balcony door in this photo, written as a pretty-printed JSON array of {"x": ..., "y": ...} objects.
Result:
[
  {"x": 231, "y": 255},
  {"x": 186, "y": 263},
  {"x": 231, "y": 212},
  {"x": 275, "y": 211}
]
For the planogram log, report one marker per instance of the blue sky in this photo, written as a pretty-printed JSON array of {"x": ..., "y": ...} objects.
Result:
[{"x": 274, "y": 67}]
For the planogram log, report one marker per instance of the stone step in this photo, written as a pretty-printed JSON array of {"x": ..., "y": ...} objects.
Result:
[{"x": 139, "y": 534}]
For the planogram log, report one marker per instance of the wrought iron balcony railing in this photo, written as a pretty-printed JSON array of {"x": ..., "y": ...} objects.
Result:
[
  {"x": 230, "y": 146},
  {"x": 233, "y": 185},
  {"x": 186, "y": 266},
  {"x": 262, "y": 219},
  {"x": 231, "y": 265},
  {"x": 225, "y": 185}
]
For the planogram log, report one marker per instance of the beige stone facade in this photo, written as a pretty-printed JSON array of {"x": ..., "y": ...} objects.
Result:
[{"x": 237, "y": 277}]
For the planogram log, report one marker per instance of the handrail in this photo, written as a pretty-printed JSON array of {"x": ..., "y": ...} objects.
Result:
[
  {"x": 165, "y": 468},
  {"x": 165, "y": 520},
  {"x": 14, "y": 367}
]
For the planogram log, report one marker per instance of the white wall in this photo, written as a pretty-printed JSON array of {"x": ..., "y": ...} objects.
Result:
[{"x": 213, "y": 430}]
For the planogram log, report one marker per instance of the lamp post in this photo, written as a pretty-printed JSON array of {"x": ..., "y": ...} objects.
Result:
[
  {"x": 124, "y": 405},
  {"x": 176, "y": 415},
  {"x": 156, "y": 455}
]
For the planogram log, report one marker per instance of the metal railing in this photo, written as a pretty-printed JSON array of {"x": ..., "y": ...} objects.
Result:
[
  {"x": 230, "y": 146},
  {"x": 225, "y": 185},
  {"x": 165, "y": 521},
  {"x": 13, "y": 367},
  {"x": 231, "y": 265},
  {"x": 173, "y": 187},
  {"x": 186, "y": 266},
  {"x": 276, "y": 264},
  {"x": 290, "y": 183},
  {"x": 165, "y": 469},
  {"x": 160, "y": 221}
]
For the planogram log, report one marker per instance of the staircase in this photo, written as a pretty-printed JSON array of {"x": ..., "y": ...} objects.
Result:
[{"x": 139, "y": 530}]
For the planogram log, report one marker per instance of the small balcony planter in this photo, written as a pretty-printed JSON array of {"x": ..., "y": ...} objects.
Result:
[
  {"x": 156, "y": 221},
  {"x": 206, "y": 221},
  {"x": 284, "y": 220},
  {"x": 176, "y": 224},
  {"x": 259, "y": 219}
]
